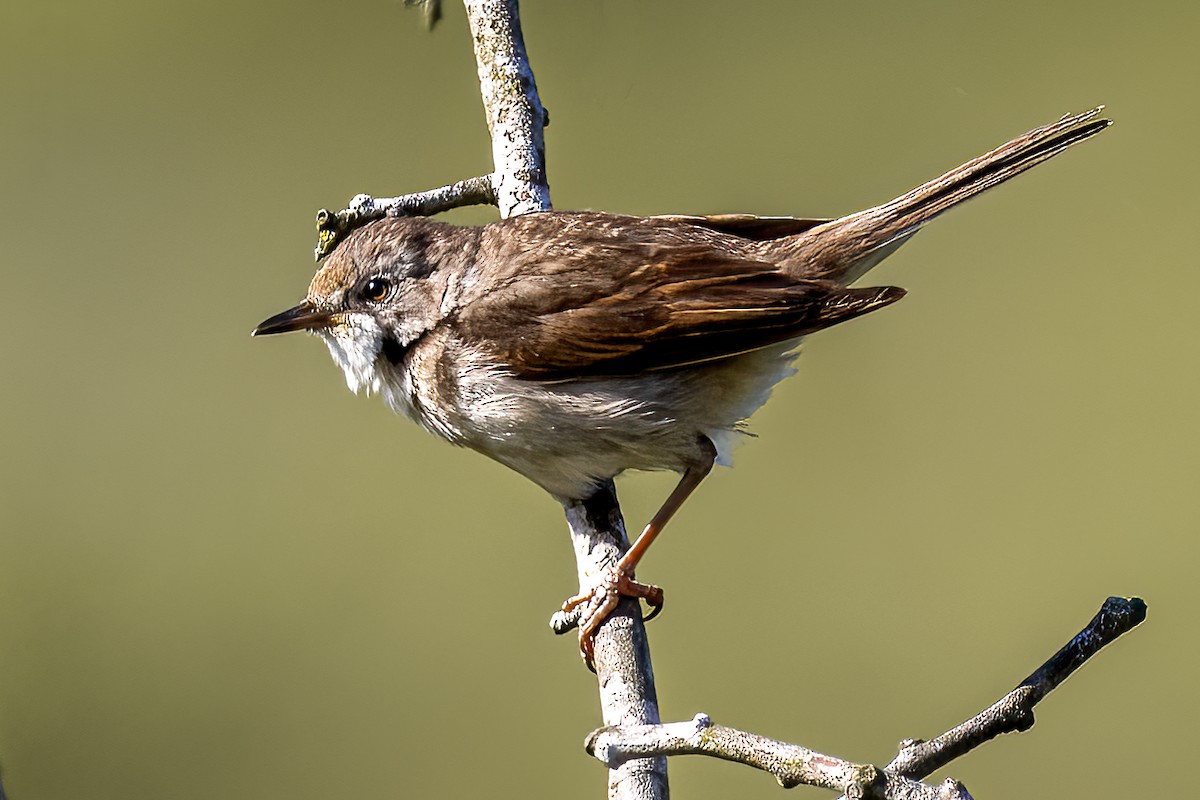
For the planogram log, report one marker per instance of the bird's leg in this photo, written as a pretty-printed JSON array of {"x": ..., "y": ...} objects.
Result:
[{"x": 617, "y": 580}]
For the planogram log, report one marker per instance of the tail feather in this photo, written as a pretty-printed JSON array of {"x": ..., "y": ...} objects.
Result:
[{"x": 845, "y": 248}]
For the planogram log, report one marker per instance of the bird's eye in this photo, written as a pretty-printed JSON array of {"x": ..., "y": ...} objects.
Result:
[{"x": 376, "y": 289}]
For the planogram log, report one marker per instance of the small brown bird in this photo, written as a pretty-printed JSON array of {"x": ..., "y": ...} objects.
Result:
[{"x": 572, "y": 346}]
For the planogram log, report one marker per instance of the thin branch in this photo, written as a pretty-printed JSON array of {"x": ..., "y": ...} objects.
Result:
[
  {"x": 333, "y": 227},
  {"x": 793, "y": 765},
  {"x": 1014, "y": 712}
]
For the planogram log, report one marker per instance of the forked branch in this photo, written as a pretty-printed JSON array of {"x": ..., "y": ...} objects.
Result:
[{"x": 793, "y": 765}]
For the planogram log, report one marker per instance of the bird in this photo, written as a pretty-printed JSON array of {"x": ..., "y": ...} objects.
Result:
[{"x": 571, "y": 346}]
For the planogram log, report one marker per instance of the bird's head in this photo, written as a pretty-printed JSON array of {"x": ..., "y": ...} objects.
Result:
[{"x": 377, "y": 293}]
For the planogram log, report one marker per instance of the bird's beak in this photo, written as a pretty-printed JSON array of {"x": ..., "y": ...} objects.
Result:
[{"x": 301, "y": 318}]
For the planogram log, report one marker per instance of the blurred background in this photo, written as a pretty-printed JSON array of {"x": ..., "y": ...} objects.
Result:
[{"x": 222, "y": 575}]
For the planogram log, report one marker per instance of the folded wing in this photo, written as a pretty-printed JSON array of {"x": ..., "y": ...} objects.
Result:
[{"x": 678, "y": 306}]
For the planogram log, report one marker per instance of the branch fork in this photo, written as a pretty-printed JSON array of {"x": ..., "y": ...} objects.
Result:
[{"x": 793, "y": 765}]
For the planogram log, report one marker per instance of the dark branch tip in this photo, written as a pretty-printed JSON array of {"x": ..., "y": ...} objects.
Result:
[{"x": 1132, "y": 609}]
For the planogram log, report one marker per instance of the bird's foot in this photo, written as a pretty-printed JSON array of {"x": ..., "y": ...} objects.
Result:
[{"x": 589, "y": 609}]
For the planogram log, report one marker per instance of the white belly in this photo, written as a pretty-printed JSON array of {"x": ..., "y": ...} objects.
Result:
[{"x": 568, "y": 436}]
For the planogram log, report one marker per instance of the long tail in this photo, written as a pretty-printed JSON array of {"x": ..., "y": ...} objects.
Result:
[{"x": 845, "y": 248}]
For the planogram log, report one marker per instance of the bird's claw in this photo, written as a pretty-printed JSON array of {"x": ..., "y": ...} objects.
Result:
[{"x": 588, "y": 610}]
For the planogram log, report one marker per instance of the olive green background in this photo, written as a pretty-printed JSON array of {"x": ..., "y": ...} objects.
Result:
[{"x": 222, "y": 575}]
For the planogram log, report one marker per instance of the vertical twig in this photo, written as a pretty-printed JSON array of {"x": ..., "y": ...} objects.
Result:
[{"x": 515, "y": 115}]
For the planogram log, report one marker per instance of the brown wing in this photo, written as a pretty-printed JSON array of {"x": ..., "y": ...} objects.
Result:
[{"x": 686, "y": 305}]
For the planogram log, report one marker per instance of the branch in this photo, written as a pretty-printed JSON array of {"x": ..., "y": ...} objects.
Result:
[
  {"x": 333, "y": 227},
  {"x": 515, "y": 114},
  {"x": 1014, "y": 712},
  {"x": 623, "y": 670},
  {"x": 793, "y": 765}
]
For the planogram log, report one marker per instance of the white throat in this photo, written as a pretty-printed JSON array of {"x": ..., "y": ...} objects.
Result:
[{"x": 355, "y": 346}]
